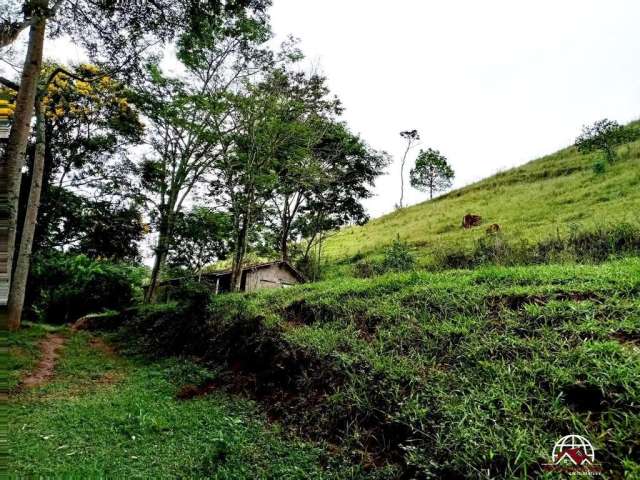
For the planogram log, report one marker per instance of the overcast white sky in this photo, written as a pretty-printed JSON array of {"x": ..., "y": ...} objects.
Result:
[{"x": 491, "y": 84}]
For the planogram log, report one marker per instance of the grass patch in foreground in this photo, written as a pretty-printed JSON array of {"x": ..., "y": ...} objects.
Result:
[
  {"x": 105, "y": 416},
  {"x": 460, "y": 374}
]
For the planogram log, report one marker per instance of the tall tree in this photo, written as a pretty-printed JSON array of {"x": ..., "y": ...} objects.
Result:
[
  {"x": 189, "y": 119},
  {"x": 13, "y": 157},
  {"x": 432, "y": 172},
  {"x": 17, "y": 292},
  {"x": 246, "y": 170},
  {"x": 90, "y": 129},
  {"x": 297, "y": 169},
  {"x": 411, "y": 137},
  {"x": 60, "y": 95},
  {"x": 184, "y": 143},
  {"x": 349, "y": 169}
]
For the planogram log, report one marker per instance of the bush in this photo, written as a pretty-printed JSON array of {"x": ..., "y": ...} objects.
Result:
[
  {"x": 64, "y": 287},
  {"x": 603, "y": 242},
  {"x": 308, "y": 266},
  {"x": 599, "y": 167},
  {"x": 398, "y": 257},
  {"x": 367, "y": 269},
  {"x": 165, "y": 329}
]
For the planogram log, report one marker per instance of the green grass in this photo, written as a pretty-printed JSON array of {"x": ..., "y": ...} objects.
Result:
[
  {"x": 532, "y": 202},
  {"x": 458, "y": 374},
  {"x": 481, "y": 371},
  {"x": 453, "y": 374},
  {"x": 104, "y": 416}
]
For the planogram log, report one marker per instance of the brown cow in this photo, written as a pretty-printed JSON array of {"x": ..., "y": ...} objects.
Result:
[{"x": 469, "y": 220}]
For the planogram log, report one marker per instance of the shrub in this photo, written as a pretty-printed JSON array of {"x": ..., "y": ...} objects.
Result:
[
  {"x": 603, "y": 242},
  {"x": 64, "y": 287},
  {"x": 599, "y": 167},
  {"x": 309, "y": 267},
  {"x": 165, "y": 329},
  {"x": 367, "y": 269},
  {"x": 594, "y": 245},
  {"x": 398, "y": 257}
]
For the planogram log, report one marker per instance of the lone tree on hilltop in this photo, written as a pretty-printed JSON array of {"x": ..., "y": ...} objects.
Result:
[
  {"x": 604, "y": 135},
  {"x": 432, "y": 172},
  {"x": 411, "y": 136}
]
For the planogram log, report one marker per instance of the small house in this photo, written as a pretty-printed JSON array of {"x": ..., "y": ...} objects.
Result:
[{"x": 277, "y": 274}]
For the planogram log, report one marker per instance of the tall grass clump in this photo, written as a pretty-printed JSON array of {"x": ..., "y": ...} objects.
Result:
[{"x": 397, "y": 258}]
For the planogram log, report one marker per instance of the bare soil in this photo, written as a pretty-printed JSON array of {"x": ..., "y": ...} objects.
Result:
[{"x": 49, "y": 346}]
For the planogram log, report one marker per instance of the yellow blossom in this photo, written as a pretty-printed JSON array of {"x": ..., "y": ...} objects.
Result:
[
  {"x": 106, "y": 82},
  {"x": 61, "y": 83},
  {"x": 87, "y": 67},
  {"x": 83, "y": 87}
]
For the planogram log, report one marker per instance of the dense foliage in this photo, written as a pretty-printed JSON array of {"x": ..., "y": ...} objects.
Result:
[
  {"x": 64, "y": 287},
  {"x": 202, "y": 236}
]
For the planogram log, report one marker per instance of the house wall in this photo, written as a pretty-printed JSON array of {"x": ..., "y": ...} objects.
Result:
[{"x": 274, "y": 276}]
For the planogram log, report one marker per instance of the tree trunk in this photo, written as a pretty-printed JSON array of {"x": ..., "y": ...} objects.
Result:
[
  {"x": 20, "y": 276},
  {"x": 404, "y": 159},
  {"x": 162, "y": 249},
  {"x": 284, "y": 244},
  {"x": 238, "y": 257},
  {"x": 13, "y": 159},
  {"x": 316, "y": 274}
]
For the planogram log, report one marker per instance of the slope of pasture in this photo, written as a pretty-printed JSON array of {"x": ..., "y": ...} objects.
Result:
[
  {"x": 531, "y": 202},
  {"x": 458, "y": 374}
]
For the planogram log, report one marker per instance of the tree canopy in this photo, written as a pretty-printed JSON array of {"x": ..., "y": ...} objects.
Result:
[{"x": 432, "y": 172}]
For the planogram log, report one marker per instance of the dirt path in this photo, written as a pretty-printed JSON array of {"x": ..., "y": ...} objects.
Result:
[{"x": 49, "y": 346}]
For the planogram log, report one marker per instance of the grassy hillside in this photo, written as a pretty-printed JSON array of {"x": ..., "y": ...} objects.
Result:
[
  {"x": 459, "y": 374},
  {"x": 531, "y": 202}
]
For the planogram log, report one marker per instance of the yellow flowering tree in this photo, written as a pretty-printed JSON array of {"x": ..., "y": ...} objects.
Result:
[
  {"x": 83, "y": 120},
  {"x": 89, "y": 121}
]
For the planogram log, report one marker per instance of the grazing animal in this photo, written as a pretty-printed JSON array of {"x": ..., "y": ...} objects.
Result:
[
  {"x": 493, "y": 229},
  {"x": 470, "y": 221}
]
